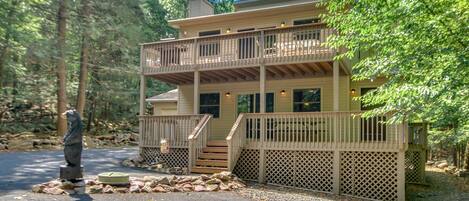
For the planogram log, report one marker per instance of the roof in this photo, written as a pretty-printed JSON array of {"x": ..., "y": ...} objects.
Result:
[
  {"x": 170, "y": 96},
  {"x": 240, "y": 14}
]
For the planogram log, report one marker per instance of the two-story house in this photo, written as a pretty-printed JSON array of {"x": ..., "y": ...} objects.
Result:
[{"x": 260, "y": 94}]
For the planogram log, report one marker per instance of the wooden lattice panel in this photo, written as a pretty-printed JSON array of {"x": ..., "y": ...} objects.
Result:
[
  {"x": 369, "y": 174},
  {"x": 414, "y": 166},
  {"x": 311, "y": 170},
  {"x": 247, "y": 166},
  {"x": 177, "y": 157}
]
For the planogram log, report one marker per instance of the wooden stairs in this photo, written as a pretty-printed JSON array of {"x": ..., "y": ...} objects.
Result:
[{"x": 214, "y": 158}]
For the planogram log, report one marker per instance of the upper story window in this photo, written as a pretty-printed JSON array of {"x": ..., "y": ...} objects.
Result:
[
  {"x": 307, "y": 100},
  {"x": 307, "y": 34},
  {"x": 210, "y": 104},
  {"x": 211, "y": 48}
]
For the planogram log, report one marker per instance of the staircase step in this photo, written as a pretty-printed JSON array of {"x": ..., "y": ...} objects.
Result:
[
  {"x": 215, "y": 149},
  {"x": 217, "y": 156},
  {"x": 212, "y": 163},
  {"x": 207, "y": 170},
  {"x": 217, "y": 143}
]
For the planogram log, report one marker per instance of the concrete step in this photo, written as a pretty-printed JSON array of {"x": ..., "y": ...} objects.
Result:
[
  {"x": 212, "y": 163},
  {"x": 215, "y": 150},
  {"x": 216, "y": 156},
  {"x": 207, "y": 170},
  {"x": 217, "y": 143}
]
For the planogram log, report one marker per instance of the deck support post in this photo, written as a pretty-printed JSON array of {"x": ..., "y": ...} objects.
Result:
[
  {"x": 401, "y": 175},
  {"x": 196, "y": 91},
  {"x": 336, "y": 173},
  {"x": 262, "y": 124},
  {"x": 336, "y": 160},
  {"x": 143, "y": 89}
]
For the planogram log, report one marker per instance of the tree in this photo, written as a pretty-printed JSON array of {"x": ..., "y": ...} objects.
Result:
[
  {"x": 61, "y": 68},
  {"x": 420, "y": 46},
  {"x": 83, "y": 79}
]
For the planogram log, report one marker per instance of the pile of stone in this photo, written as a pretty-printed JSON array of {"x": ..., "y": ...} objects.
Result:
[
  {"x": 224, "y": 181},
  {"x": 450, "y": 169},
  {"x": 116, "y": 139},
  {"x": 28, "y": 141},
  {"x": 158, "y": 166}
]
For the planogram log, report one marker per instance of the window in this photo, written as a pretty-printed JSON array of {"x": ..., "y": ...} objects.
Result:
[
  {"x": 250, "y": 103},
  {"x": 210, "y": 104},
  {"x": 307, "y": 100},
  {"x": 211, "y": 48},
  {"x": 307, "y": 34},
  {"x": 306, "y": 21}
]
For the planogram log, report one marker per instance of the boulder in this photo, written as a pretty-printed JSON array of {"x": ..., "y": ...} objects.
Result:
[
  {"x": 185, "y": 180},
  {"x": 212, "y": 187},
  {"x": 96, "y": 189},
  {"x": 121, "y": 190},
  {"x": 224, "y": 187},
  {"x": 134, "y": 189},
  {"x": 164, "y": 181},
  {"x": 159, "y": 189},
  {"x": 213, "y": 181},
  {"x": 198, "y": 182},
  {"x": 223, "y": 176},
  {"x": 54, "y": 191},
  {"x": 150, "y": 178},
  {"x": 147, "y": 188},
  {"x": 442, "y": 165},
  {"x": 108, "y": 189},
  {"x": 204, "y": 177},
  {"x": 67, "y": 185},
  {"x": 39, "y": 188},
  {"x": 199, "y": 188}
]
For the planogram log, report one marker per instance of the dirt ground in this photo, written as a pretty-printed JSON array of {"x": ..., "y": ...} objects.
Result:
[{"x": 439, "y": 186}]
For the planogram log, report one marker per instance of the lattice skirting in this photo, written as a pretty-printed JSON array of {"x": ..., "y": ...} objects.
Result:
[
  {"x": 415, "y": 166},
  {"x": 302, "y": 169},
  {"x": 369, "y": 174},
  {"x": 177, "y": 157},
  {"x": 247, "y": 166}
]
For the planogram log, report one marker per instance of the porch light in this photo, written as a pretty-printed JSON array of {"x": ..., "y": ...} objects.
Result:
[
  {"x": 282, "y": 24},
  {"x": 228, "y": 30},
  {"x": 185, "y": 33},
  {"x": 282, "y": 92},
  {"x": 227, "y": 94},
  {"x": 352, "y": 91}
]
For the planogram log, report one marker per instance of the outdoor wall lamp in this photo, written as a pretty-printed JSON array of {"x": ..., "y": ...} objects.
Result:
[
  {"x": 185, "y": 33},
  {"x": 227, "y": 94},
  {"x": 353, "y": 91},
  {"x": 282, "y": 92},
  {"x": 228, "y": 30},
  {"x": 282, "y": 24}
]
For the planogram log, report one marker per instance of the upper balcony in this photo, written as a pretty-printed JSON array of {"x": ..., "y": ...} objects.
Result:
[{"x": 288, "y": 45}]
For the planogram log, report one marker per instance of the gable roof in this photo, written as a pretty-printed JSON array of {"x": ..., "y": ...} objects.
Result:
[{"x": 170, "y": 96}]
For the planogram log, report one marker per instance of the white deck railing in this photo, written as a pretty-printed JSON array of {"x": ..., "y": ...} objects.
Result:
[
  {"x": 198, "y": 139},
  {"x": 176, "y": 129},
  {"x": 315, "y": 131},
  {"x": 270, "y": 46},
  {"x": 236, "y": 140}
]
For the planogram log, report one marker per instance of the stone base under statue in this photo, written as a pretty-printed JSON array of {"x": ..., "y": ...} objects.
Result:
[{"x": 71, "y": 173}]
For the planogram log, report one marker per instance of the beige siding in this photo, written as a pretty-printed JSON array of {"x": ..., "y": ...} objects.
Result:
[
  {"x": 164, "y": 108},
  {"x": 283, "y": 103},
  {"x": 273, "y": 20}
]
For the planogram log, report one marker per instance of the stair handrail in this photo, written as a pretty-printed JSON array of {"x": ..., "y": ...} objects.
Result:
[
  {"x": 198, "y": 139},
  {"x": 236, "y": 140}
]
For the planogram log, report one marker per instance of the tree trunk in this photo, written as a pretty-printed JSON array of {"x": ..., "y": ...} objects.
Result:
[
  {"x": 81, "y": 97},
  {"x": 61, "y": 68}
]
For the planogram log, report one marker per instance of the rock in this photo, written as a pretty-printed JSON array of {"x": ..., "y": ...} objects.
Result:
[
  {"x": 204, "y": 177},
  {"x": 213, "y": 181},
  {"x": 140, "y": 184},
  {"x": 54, "y": 183},
  {"x": 430, "y": 162},
  {"x": 198, "y": 182},
  {"x": 442, "y": 165},
  {"x": 38, "y": 188},
  {"x": 224, "y": 187},
  {"x": 54, "y": 191},
  {"x": 176, "y": 189},
  {"x": 121, "y": 189},
  {"x": 150, "y": 178},
  {"x": 134, "y": 189},
  {"x": 67, "y": 185},
  {"x": 159, "y": 189},
  {"x": 90, "y": 182},
  {"x": 96, "y": 189},
  {"x": 108, "y": 189},
  {"x": 70, "y": 192},
  {"x": 3, "y": 146},
  {"x": 164, "y": 181},
  {"x": 185, "y": 180},
  {"x": 151, "y": 184},
  {"x": 146, "y": 189},
  {"x": 212, "y": 187},
  {"x": 199, "y": 188},
  {"x": 223, "y": 176},
  {"x": 187, "y": 187}
]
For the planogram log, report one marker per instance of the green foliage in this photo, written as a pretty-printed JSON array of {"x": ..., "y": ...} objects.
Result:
[{"x": 421, "y": 47}]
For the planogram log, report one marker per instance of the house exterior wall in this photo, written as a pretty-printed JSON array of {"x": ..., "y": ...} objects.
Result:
[
  {"x": 355, "y": 105},
  {"x": 266, "y": 3},
  {"x": 282, "y": 103},
  {"x": 272, "y": 19},
  {"x": 164, "y": 108}
]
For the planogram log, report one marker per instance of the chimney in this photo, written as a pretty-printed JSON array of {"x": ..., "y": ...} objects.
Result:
[{"x": 200, "y": 8}]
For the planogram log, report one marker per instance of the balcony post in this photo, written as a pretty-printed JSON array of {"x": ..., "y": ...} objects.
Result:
[
  {"x": 196, "y": 91},
  {"x": 336, "y": 162},
  {"x": 142, "y": 85}
]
